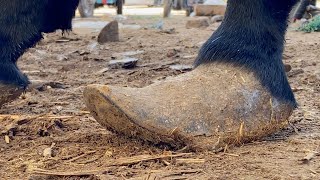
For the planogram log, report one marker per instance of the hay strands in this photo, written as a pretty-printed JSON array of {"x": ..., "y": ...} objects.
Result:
[
  {"x": 189, "y": 161},
  {"x": 178, "y": 174},
  {"x": 143, "y": 158},
  {"x": 66, "y": 173},
  {"x": 42, "y": 116},
  {"x": 117, "y": 162}
]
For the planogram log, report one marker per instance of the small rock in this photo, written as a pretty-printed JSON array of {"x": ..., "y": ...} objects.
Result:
[
  {"x": 58, "y": 124},
  {"x": 47, "y": 152},
  {"x": 81, "y": 53},
  {"x": 197, "y": 22},
  {"x": 44, "y": 85},
  {"x": 169, "y": 31},
  {"x": 172, "y": 52},
  {"x": 85, "y": 58},
  {"x": 62, "y": 57},
  {"x": 295, "y": 72},
  {"x": 110, "y": 33},
  {"x": 57, "y": 109},
  {"x": 7, "y": 139},
  {"x": 103, "y": 71},
  {"x": 126, "y": 63},
  {"x": 287, "y": 67},
  {"x": 108, "y": 154},
  {"x": 216, "y": 18},
  {"x": 180, "y": 67}
]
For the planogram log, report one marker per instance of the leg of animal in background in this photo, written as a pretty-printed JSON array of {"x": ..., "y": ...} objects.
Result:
[
  {"x": 21, "y": 25},
  {"x": 301, "y": 9},
  {"x": 86, "y": 8},
  {"x": 167, "y": 6},
  {"x": 119, "y": 4},
  {"x": 238, "y": 91},
  {"x": 313, "y": 2}
]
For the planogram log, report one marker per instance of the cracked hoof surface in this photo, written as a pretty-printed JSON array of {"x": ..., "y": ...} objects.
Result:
[{"x": 207, "y": 108}]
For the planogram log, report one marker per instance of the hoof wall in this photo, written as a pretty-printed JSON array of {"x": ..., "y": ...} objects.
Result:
[{"x": 232, "y": 109}]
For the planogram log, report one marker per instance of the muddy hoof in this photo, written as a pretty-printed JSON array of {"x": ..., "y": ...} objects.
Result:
[
  {"x": 9, "y": 92},
  {"x": 207, "y": 108}
]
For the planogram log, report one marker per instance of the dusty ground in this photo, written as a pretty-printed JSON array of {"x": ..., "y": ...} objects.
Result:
[{"x": 54, "y": 115}]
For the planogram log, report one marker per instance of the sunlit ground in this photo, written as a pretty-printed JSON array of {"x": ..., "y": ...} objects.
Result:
[
  {"x": 103, "y": 15},
  {"x": 134, "y": 11},
  {"x": 138, "y": 11}
]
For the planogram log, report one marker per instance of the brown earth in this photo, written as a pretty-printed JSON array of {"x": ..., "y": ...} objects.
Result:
[{"x": 52, "y": 112}]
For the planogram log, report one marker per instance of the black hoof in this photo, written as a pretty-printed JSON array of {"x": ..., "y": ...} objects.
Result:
[
  {"x": 12, "y": 82},
  {"x": 9, "y": 92},
  {"x": 11, "y": 74}
]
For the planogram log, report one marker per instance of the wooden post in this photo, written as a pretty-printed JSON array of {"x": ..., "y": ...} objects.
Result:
[{"x": 167, "y": 5}]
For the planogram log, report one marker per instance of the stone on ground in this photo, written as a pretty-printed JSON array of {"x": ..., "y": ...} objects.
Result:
[
  {"x": 197, "y": 22},
  {"x": 110, "y": 33},
  {"x": 216, "y": 18}
]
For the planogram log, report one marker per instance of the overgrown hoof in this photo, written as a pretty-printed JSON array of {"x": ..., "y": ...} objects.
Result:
[
  {"x": 9, "y": 92},
  {"x": 207, "y": 108}
]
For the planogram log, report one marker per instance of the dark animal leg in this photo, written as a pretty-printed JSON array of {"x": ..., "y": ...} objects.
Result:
[
  {"x": 21, "y": 26},
  {"x": 12, "y": 82},
  {"x": 10, "y": 74},
  {"x": 252, "y": 36}
]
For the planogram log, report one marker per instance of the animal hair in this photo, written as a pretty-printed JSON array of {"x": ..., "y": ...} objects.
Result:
[{"x": 252, "y": 35}]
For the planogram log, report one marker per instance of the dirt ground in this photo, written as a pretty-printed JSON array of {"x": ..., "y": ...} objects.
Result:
[{"x": 51, "y": 118}]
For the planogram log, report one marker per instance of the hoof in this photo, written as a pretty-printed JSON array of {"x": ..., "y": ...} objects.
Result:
[
  {"x": 9, "y": 92},
  {"x": 205, "y": 109}
]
